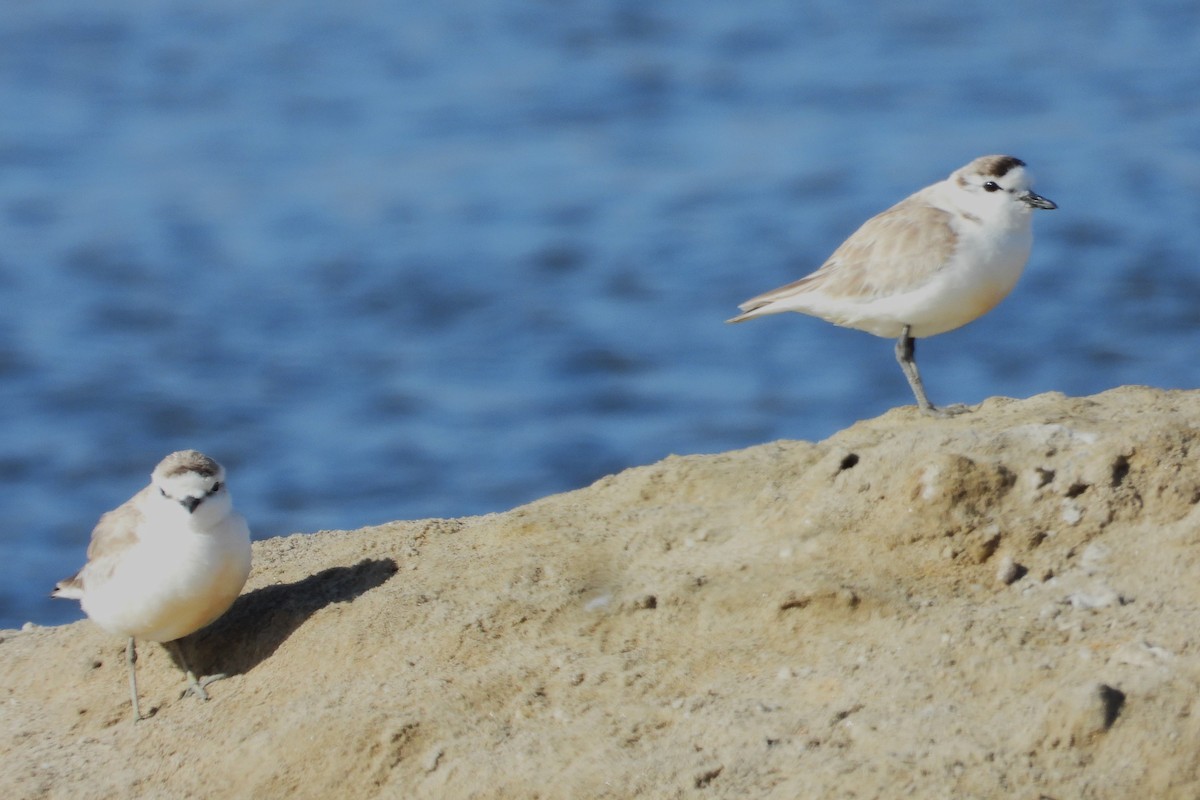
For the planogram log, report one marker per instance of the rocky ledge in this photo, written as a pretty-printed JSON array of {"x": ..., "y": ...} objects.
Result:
[{"x": 1002, "y": 604}]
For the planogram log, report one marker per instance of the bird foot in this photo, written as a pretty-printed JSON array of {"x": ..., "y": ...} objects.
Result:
[{"x": 196, "y": 688}]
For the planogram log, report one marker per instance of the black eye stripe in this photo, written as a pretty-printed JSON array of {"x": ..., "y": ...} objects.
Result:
[{"x": 216, "y": 487}]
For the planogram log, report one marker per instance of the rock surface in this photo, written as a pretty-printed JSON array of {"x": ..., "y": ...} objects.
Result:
[{"x": 1002, "y": 604}]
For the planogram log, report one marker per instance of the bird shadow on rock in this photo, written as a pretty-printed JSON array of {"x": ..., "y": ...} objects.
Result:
[{"x": 261, "y": 620}]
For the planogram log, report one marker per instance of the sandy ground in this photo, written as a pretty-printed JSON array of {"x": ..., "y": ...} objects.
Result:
[{"x": 1003, "y": 604}]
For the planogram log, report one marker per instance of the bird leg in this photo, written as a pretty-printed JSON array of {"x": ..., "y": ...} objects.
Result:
[
  {"x": 906, "y": 349},
  {"x": 195, "y": 686},
  {"x": 905, "y": 353},
  {"x": 131, "y": 660}
]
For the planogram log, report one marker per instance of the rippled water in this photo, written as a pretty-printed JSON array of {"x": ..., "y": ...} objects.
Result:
[{"x": 395, "y": 260}]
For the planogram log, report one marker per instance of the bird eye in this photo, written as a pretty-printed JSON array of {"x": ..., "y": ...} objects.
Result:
[
  {"x": 162, "y": 491},
  {"x": 991, "y": 186},
  {"x": 216, "y": 487}
]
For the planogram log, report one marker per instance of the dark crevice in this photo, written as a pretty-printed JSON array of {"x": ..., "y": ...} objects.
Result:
[
  {"x": 1113, "y": 700},
  {"x": 1120, "y": 469}
]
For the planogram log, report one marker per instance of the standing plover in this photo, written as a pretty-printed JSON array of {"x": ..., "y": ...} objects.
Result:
[
  {"x": 929, "y": 264},
  {"x": 165, "y": 563}
]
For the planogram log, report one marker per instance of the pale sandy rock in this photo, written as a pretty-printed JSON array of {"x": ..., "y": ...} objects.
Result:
[{"x": 1002, "y": 604}]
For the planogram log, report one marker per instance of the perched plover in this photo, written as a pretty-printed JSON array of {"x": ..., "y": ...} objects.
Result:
[
  {"x": 165, "y": 563},
  {"x": 929, "y": 264}
]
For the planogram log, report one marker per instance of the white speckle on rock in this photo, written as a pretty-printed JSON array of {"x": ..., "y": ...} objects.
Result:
[
  {"x": 1103, "y": 597},
  {"x": 929, "y": 482},
  {"x": 1054, "y": 434},
  {"x": 1093, "y": 556},
  {"x": 1008, "y": 570},
  {"x": 1142, "y": 655},
  {"x": 598, "y": 603}
]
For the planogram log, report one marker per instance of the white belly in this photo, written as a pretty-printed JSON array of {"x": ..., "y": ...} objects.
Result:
[{"x": 169, "y": 585}]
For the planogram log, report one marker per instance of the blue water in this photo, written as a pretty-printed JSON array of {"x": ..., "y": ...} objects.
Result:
[{"x": 397, "y": 260}]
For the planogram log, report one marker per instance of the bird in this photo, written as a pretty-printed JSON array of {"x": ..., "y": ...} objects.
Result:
[
  {"x": 933, "y": 262},
  {"x": 165, "y": 563}
]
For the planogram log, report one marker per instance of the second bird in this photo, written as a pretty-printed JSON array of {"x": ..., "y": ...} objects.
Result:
[
  {"x": 166, "y": 562},
  {"x": 929, "y": 264}
]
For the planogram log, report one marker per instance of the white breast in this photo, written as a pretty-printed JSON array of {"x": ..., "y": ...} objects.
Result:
[{"x": 174, "y": 580}]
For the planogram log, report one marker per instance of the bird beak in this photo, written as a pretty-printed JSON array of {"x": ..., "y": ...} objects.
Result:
[
  {"x": 1037, "y": 201},
  {"x": 191, "y": 503}
]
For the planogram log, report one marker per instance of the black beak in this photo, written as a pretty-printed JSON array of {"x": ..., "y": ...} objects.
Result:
[
  {"x": 191, "y": 503},
  {"x": 1037, "y": 201}
]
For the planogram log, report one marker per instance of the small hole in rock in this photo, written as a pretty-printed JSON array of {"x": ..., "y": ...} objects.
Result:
[{"x": 1120, "y": 469}]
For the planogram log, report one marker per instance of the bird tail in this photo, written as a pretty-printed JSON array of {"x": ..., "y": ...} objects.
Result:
[
  {"x": 68, "y": 589},
  {"x": 750, "y": 310}
]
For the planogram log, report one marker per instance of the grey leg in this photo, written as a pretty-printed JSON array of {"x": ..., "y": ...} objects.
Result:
[
  {"x": 131, "y": 660},
  {"x": 195, "y": 686},
  {"x": 905, "y": 353}
]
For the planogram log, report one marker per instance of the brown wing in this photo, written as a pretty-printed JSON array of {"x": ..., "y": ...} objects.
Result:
[
  {"x": 892, "y": 252},
  {"x": 116, "y": 531}
]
